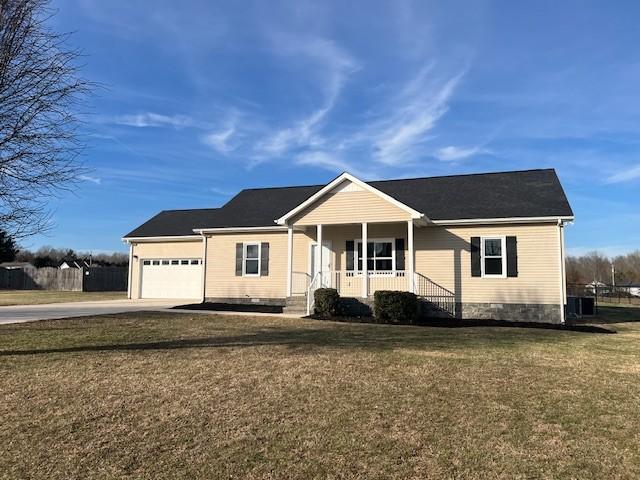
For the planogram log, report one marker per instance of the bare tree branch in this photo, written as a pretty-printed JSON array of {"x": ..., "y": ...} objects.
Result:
[{"x": 40, "y": 93}]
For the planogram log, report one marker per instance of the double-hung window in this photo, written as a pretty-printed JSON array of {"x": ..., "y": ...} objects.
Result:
[
  {"x": 251, "y": 260},
  {"x": 493, "y": 258},
  {"x": 380, "y": 256}
]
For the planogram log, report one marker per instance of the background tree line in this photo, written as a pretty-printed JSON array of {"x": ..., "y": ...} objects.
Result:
[
  {"x": 595, "y": 266},
  {"x": 53, "y": 257}
]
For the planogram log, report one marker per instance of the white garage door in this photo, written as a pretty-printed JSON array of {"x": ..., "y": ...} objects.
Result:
[{"x": 172, "y": 278}]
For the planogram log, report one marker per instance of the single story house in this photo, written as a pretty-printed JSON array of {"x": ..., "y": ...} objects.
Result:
[
  {"x": 73, "y": 263},
  {"x": 488, "y": 246}
]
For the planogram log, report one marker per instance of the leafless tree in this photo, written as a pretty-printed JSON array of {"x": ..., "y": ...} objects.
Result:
[
  {"x": 594, "y": 266},
  {"x": 40, "y": 93}
]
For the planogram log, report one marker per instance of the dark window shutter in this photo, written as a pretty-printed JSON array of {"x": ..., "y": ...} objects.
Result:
[
  {"x": 512, "y": 257},
  {"x": 239, "y": 252},
  {"x": 476, "y": 271},
  {"x": 350, "y": 248},
  {"x": 264, "y": 259},
  {"x": 399, "y": 253}
]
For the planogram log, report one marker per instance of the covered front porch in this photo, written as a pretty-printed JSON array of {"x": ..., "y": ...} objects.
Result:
[{"x": 340, "y": 263}]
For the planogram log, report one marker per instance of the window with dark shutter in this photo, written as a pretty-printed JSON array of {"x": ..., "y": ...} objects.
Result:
[
  {"x": 264, "y": 259},
  {"x": 476, "y": 269},
  {"x": 239, "y": 254},
  {"x": 400, "y": 254},
  {"x": 512, "y": 257}
]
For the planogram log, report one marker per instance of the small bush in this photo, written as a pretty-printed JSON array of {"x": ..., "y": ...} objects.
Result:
[
  {"x": 327, "y": 302},
  {"x": 395, "y": 307}
]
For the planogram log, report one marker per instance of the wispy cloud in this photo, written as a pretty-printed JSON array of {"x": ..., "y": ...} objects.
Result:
[
  {"x": 625, "y": 175},
  {"x": 89, "y": 178},
  {"x": 151, "y": 119},
  {"x": 453, "y": 153},
  {"x": 219, "y": 140},
  {"x": 422, "y": 103},
  {"x": 332, "y": 66}
]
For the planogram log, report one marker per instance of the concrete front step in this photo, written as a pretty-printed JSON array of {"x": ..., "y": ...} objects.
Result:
[
  {"x": 297, "y": 300},
  {"x": 296, "y": 304}
]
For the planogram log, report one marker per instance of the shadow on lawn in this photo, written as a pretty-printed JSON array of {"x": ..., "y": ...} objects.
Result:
[
  {"x": 614, "y": 314},
  {"x": 304, "y": 339}
]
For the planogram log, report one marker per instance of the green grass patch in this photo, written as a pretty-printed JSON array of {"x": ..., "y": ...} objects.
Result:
[{"x": 182, "y": 395}]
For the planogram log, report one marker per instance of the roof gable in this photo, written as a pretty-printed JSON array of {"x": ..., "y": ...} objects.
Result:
[
  {"x": 349, "y": 202},
  {"x": 345, "y": 180}
]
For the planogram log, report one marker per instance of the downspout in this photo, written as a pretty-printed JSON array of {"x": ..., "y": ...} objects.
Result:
[
  {"x": 563, "y": 286},
  {"x": 204, "y": 266},
  {"x": 130, "y": 269}
]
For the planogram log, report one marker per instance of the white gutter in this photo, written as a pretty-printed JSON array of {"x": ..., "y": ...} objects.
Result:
[
  {"x": 175, "y": 238},
  {"x": 240, "y": 229},
  {"x": 485, "y": 221}
]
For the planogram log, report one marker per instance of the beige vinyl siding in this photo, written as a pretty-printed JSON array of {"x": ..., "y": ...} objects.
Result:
[
  {"x": 443, "y": 255},
  {"x": 221, "y": 280},
  {"x": 184, "y": 249},
  {"x": 350, "y": 207},
  {"x": 300, "y": 277}
]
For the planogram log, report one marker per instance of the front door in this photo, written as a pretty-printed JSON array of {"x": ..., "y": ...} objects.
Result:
[{"x": 326, "y": 262}]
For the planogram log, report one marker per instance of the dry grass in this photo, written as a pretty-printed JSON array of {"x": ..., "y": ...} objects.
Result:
[
  {"x": 180, "y": 395},
  {"x": 37, "y": 297}
]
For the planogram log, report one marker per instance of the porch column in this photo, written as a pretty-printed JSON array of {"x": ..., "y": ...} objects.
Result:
[
  {"x": 319, "y": 251},
  {"x": 411, "y": 258},
  {"x": 365, "y": 266},
  {"x": 289, "y": 260}
]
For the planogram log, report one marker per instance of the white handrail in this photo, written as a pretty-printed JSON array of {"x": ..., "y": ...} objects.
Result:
[{"x": 310, "y": 293}]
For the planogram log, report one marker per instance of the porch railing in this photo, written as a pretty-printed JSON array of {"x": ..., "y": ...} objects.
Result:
[
  {"x": 300, "y": 283},
  {"x": 313, "y": 286},
  {"x": 349, "y": 282},
  {"x": 438, "y": 296}
]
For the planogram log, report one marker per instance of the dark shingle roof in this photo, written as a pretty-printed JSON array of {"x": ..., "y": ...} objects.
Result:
[
  {"x": 175, "y": 223},
  {"x": 530, "y": 193}
]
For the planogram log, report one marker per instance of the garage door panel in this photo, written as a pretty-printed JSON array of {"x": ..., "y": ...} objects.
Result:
[{"x": 171, "y": 279}]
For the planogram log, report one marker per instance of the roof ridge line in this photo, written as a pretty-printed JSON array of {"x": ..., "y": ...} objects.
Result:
[{"x": 408, "y": 178}]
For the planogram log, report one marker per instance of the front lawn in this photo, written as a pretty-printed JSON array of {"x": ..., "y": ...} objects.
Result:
[
  {"x": 182, "y": 395},
  {"x": 36, "y": 297}
]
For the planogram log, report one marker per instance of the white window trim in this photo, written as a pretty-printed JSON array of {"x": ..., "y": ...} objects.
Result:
[
  {"x": 503, "y": 246},
  {"x": 244, "y": 259},
  {"x": 375, "y": 273}
]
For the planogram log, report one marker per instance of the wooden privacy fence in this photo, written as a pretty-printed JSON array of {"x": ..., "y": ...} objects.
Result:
[{"x": 91, "y": 279}]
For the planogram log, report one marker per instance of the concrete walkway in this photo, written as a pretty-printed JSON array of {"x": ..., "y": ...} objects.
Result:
[{"x": 49, "y": 311}]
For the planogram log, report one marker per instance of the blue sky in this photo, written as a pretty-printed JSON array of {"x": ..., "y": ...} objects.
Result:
[{"x": 202, "y": 99}]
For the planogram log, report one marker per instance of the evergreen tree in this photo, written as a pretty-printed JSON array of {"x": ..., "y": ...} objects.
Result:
[{"x": 8, "y": 247}]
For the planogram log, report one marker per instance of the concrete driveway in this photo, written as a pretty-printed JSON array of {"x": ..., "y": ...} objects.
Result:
[{"x": 29, "y": 313}]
